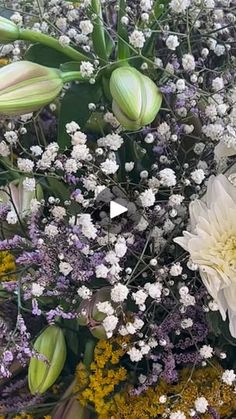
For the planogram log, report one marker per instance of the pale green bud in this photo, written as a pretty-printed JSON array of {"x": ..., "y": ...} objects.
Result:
[
  {"x": 19, "y": 198},
  {"x": 70, "y": 408},
  {"x": 136, "y": 98},
  {"x": 104, "y": 294},
  {"x": 26, "y": 87},
  {"x": 98, "y": 332},
  {"x": 9, "y": 31},
  {"x": 43, "y": 374}
]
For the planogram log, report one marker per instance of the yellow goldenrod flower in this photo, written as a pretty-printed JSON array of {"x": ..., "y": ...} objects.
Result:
[{"x": 7, "y": 266}]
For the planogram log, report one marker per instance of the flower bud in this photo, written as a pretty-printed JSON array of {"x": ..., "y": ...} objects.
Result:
[
  {"x": 104, "y": 294},
  {"x": 19, "y": 198},
  {"x": 98, "y": 332},
  {"x": 42, "y": 374},
  {"x": 136, "y": 98},
  {"x": 70, "y": 408},
  {"x": 9, "y": 31},
  {"x": 26, "y": 87},
  {"x": 84, "y": 313}
]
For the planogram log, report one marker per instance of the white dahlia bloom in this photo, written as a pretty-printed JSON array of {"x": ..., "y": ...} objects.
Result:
[{"x": 211, "y": 243}]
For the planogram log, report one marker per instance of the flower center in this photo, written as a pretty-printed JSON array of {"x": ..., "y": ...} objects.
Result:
[{"x": 226, "y": 250}]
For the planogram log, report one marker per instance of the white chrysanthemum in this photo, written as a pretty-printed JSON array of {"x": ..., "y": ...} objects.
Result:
[{"x": 212, "y": 244}]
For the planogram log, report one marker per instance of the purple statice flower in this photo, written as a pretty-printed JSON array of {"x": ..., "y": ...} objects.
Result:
[
  {"x": 4, "y": 209},
  {"x": 29, "y": 258},
  {"x": 13, "y": 243},
  {"x": 35, "y": 308}
]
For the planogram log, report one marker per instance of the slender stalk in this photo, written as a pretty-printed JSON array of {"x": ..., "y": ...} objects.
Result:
[
  {"x": 49, "y": 41},
  {"x": 88, "y": 353},
  {"x": 70, "y": 76}
]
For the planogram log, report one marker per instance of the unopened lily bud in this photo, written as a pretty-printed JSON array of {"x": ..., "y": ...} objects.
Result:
[
  {"x": 9, "y": 31},
  {"x": 19, "y": 198},
  {"x": 104, "y": 294},
  {"x": 70, "y": 408},
  {"x": 136, "y": 98},
  {"x": 26, "y": 87},
  {"x": 42, "y": 374},
  {"x": 84, "y": 313},
  {"x": 98, "y": 332}
]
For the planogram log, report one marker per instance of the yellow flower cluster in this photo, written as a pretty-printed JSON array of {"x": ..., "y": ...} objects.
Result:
[
  {"x": 98, "y": 385},
  {"x": 7, "y": 266},
  {"x": 192, "y": 384}
]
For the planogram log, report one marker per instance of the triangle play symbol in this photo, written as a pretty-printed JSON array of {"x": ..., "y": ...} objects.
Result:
[{"x": 116, "y": 209}]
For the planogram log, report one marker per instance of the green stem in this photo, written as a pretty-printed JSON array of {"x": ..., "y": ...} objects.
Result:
[
  {"x": 98, "y": 35},
  {"x": 70, "y": 76},
  {"x": 88, "y": 353},
  {"x": 49, "y": 41}
]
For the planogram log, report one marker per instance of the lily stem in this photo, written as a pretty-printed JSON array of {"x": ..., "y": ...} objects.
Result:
[{"x": 49, "y": 41}]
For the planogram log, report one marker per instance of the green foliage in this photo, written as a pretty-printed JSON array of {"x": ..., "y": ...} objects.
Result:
[
  {"x": 74, "y": 107},
  {"x": 123, "y": 50},
  {"x": 44, "y": 55},
  {"x": 219, "y": 327}
]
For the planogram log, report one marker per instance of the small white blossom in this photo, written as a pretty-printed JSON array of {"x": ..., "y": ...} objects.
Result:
[
  {"x": 86, "y": 27},
  {"x": 51, "y": 230},
  {"x": 72, "y": 127},
  {"x": 147, "y": 198},
  {"x": 86, "y": 69},
  {"x": 139, "y": 297},
  {"x": 109, "y": 167},
  {"x": 11, "y": 137},
  {"x": 65, "y": 268},
  {"x": 179, "y": 6},
  {"x": 29, "y": 184},
  {"x": 154, "y": 290},
  {"x": 119, "y": 293},
  {"x": 112, "y": 141},
  {"x": 177, "y": 415},
  {"x": 84, "y": 292},
  {"x": 36, "y": 150},
  {"x": 167, "y": 177},
  {"x": 172, "y": 42},
  {"x": 228, "y": 377},
  {"x": 25, "y": 165},
  {"x": 37, "y": 290},
  {"x": 186, "y": 323},
  {"x": 101, "y": 271},
  {"x": 129, "y": 166},
  {"x": 78, "y": 137},
  {"x": 188, "y": 62},
  {"x": 206, "y": 351},
  {"x": 109, "y": 324},
  {"x": 135, "y": 355},
  {"x": 176, "y": 269},
  {"x": 217, "y": 84},
  {"x": 137, "y": 39},
  {"x": 201, "y": 404},
  {"x": 64, "y": 40},
  {"x": 11, "y": 217},
  {"x": 105, "y": 307},
  {"x": 198, "y": 176},
  {"x": 4, "y": 149},
  {"x": 58, "y": 212}
]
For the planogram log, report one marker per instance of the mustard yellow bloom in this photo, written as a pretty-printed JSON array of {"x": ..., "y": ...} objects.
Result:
[{"x": 7, "y": 266}]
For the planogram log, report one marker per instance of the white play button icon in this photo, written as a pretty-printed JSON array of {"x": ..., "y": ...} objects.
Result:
[{"x": 116, "y": 209}]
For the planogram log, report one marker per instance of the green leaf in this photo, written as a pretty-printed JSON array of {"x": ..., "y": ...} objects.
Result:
[
  {"x": 98, "y": 34},
  {"x": 159, "y": 8},
  {"x": 70, "y": 66},
  {"x": 122, "y": 32},
  {"x": 44, "y": 55},
  {"x": 74, "y": 107}
]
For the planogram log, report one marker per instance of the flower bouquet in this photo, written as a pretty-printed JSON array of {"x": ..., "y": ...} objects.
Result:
[{"x": 117, "y": 209}]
